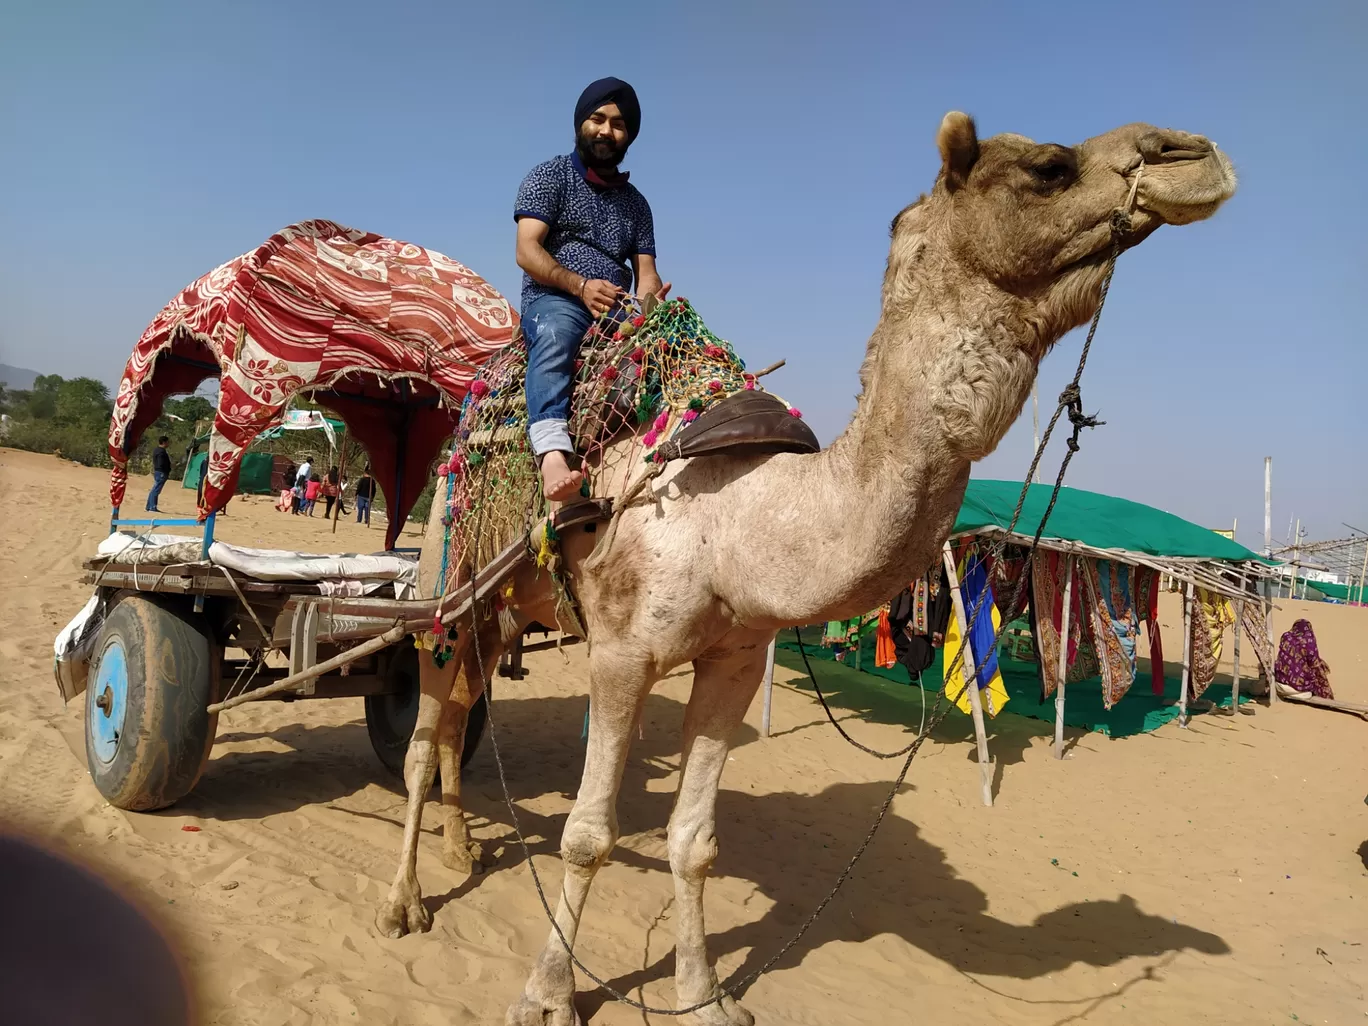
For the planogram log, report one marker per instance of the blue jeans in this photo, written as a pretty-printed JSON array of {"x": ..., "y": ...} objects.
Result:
[
  {"x": 158, "y": 479},
  {"x": 554, "y": 326},
  {"x": 363, "y": 509}
]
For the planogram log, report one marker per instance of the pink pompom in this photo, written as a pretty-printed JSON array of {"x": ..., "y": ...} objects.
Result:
[
  {"x": 609, "y": 373},
  {"x": 795, "y": 412},
  {"x": 478, "y": 388},
  {"x": 714, "y": 385},
  {"x": 690, "y": 416},
  {"x": 663, "y": 421},
  {"x": 638, "y": 354},
  {"x": 649, "y": 439},
  {"x": 750, "y": 385},
  {"x": 443, "y": 470}
]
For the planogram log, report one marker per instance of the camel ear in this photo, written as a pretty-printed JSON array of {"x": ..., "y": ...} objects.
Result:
[{"x": 959, "y": 148}]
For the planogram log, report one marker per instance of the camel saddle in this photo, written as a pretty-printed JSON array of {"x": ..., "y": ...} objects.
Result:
[
  {"x": 751, "y": 422},
  {"x": 746, "y": 422}
]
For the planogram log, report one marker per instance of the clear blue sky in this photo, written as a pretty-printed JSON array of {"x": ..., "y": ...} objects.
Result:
[{"x": 144, "y": 143}]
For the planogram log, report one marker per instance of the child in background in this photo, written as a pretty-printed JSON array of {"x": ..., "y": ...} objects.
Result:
[{"x": 311, "y": 494}]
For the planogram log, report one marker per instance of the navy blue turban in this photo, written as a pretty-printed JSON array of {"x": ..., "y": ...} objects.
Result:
[{"x": 610, "y": 90}]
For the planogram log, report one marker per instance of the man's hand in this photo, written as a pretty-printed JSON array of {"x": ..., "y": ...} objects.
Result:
[{"x": 599, "y": 296}]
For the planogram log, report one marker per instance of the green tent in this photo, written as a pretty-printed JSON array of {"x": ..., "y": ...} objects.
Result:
[
  {"x": 1101, "y": 521},
  {"x": 254, "y": 473}
]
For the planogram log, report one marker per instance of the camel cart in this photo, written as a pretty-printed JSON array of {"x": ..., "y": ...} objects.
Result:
[{"x": 387, "y": 336}]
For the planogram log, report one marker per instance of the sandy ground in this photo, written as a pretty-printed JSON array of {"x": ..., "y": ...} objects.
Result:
[{"x": 1214, "y": 874}]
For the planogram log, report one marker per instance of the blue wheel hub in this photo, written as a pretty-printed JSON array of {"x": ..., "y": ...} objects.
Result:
[{"x": 109, "y": 702}]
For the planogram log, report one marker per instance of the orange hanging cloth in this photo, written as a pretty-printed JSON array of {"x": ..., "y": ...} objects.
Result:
[{"x": 885, "y": 653}]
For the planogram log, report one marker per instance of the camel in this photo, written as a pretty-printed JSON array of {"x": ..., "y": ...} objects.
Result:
[{"x": 707, "y": 563}]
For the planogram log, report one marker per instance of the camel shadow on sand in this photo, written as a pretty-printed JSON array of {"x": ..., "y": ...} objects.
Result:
[{"x": 904, "y": 885}]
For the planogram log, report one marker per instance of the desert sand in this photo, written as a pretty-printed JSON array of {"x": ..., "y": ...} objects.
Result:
[{"x": 1212, "y": 874}]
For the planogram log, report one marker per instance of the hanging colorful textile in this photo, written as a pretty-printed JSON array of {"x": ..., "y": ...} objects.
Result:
[
  {"x": 1299, "y": 665},
  {"x": 1256, "y": 631},
  {"x": 921, "y": 596},
  {"x": 916, "y": 646},
  {"x": 1211, "y": 615},
  {"x": 1145, "y": 584},
  {"x": 1006, "y": 573},
  {"x": 1047, "y": 611},
  {"x": 885, "y": 655},
  {"x": 975, "y": 592},
  {"x": 1115, "y": 627}
]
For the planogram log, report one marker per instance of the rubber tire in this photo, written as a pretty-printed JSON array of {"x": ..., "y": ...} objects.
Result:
[
  {"x": 172, "y": 677},
  {"x": 390, "y": 718}
]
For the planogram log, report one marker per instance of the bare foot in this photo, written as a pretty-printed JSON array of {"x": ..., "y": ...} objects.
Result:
[{"x": 559, "y": 482}]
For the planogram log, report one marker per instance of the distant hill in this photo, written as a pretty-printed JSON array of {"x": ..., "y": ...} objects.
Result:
[{"x": 16, "y": 378}]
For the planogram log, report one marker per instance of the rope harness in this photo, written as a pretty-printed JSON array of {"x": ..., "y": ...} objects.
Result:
[{"x": 1070, "y": 401}]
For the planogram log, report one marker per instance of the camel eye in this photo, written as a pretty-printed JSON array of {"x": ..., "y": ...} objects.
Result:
[{"x": 1054, "y": 173}]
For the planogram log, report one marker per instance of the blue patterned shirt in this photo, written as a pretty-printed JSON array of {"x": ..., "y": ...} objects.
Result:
[{"x": 595, "y": 231}]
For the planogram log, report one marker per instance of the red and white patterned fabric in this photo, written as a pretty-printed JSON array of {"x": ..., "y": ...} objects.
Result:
[{"x": 387, "y": 334}]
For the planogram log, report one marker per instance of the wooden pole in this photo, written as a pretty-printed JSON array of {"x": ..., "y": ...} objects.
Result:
[
  {"x": 1268, "y": 505},
  {"x": 1187, "y": 655},
  {"x": 769, "y": 689},
  {"x": 1063, "y": 657},
  {"x": 1268, "y": 634},
  {"x": 1363, "y": 573},
  {"x": 1235, "y": 656},
  {"x": 967, "y": 665},
  {"x": 395, "y": 633}
]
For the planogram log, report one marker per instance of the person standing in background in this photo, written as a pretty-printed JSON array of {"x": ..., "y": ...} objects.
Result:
[
  {"x": 161, "y": 470},
  {"x": 331, "y": 491},
  {"x": 365, "y": 492}
]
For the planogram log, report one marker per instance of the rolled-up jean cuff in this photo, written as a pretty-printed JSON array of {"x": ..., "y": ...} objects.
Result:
[{"x": 550, "y": 436}]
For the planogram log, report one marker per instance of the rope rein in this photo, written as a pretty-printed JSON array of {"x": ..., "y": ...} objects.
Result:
[{"x": 1070, "y": 401}]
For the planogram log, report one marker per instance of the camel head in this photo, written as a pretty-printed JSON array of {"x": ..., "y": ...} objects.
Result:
[
  {"x": 1033, "y": 221},
  {"x": 1011, "y": 248}
]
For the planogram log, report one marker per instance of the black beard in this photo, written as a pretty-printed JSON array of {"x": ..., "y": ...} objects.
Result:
[{"x": 599, "y": 154}]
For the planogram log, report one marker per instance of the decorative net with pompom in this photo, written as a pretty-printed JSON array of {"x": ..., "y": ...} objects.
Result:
[{"x": 638, "y": 379}]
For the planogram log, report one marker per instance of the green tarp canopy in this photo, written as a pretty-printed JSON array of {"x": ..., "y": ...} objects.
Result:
[
  {"x": 1102, "y": 521},
  {"x": 254, "y": 474},
  {"x": 1342, "y": 592}
]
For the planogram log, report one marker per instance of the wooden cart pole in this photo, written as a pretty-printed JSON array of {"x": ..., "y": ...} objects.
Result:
[
  {"x": 967, "y": 662},
  {"x": 1187, "y": 655},
  {"x": 1063, "y": 656},
  {"x": 769, "y": 689}
]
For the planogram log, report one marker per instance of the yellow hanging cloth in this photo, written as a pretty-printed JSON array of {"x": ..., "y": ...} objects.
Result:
[{"x": 994, "y": 697}]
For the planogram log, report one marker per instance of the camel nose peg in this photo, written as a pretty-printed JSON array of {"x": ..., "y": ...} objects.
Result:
[{"x": 1166, "y": 147}]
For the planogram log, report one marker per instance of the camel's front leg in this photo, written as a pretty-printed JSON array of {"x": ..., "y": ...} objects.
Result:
[
  {"x": 724, "y": 684},
  {"x": 402, "y": 910},
  {"x": 619, "y": 682}
]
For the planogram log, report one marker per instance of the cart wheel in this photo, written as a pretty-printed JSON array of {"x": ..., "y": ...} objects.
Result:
[
  {"x": 390, "y": 718},
  {"x": 147, "y": 733}
]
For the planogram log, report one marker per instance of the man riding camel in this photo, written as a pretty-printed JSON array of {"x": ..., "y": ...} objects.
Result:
[{"x": 584, "y": 235}]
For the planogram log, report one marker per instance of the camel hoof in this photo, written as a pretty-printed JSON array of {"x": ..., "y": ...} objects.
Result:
[
  {"x": 530, "y": 1012},
  {"x": 403, "y": 915},
  {"x": 727, "y": 1012},
  {"x": 464, "y": 858}
]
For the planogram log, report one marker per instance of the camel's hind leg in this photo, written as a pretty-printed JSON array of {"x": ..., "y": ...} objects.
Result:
[
  {"x": 402, "y": 910},
  {"x": 724, "y": 684},
  {"x": 459, "y": 852}
]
